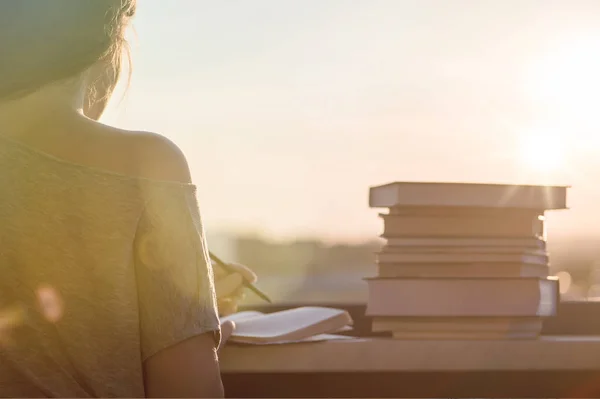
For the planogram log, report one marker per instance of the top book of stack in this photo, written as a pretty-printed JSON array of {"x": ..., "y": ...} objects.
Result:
[{"x": 418, "y": 194}]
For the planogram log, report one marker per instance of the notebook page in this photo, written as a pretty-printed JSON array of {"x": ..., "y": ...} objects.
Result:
[{"x": 293, "y": 324}]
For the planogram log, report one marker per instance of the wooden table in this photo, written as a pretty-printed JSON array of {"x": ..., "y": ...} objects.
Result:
[{"x": 549, "y": 367}]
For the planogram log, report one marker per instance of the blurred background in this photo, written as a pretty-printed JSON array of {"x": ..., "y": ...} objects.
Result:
[{"x": 288, "y": 111}]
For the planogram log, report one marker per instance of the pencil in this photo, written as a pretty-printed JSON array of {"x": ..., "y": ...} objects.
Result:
[{"x": 247, "y": 283}]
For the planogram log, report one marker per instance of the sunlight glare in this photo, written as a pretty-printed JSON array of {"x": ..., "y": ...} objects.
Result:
[
  {"x": 541, "y": 153},
  {"x": 565, "y": 280},
  {"x": 10, "y": 319}
]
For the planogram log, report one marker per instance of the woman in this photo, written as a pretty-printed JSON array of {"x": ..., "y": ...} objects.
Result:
[{"x": 105, "y": 285}]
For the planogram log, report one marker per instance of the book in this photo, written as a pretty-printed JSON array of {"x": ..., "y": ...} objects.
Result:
[
  {"x": 462, "y": 226},
  {"x": 464, "y": 335},
  {"x": 450, "y": 270},
  {"x": 464, "y": 250},
  {"x": 461, "y": 297},
  {"x": 443, "y": 258},
  {"x": 462, "y": 211},
  {"x": 470, "y": 242},
  {"x": 302, "y": 324},
  {"x": 472, "y": 325},
  {"x": 399, "y": 194}
]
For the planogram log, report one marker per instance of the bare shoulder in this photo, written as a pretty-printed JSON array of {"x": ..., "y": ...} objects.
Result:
[
  {"x": 157, "y": 157},
  {"x": 134, "y": 153}
]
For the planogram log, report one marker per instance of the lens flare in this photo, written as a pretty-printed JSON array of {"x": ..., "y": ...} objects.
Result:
[{"x": 50, "y": 303}]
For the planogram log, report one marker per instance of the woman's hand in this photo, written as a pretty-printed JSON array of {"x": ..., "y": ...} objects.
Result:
[{"x": 229, "y": 287}]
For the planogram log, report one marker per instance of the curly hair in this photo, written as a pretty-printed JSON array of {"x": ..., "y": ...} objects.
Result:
[{"x": 42, "y": 42}]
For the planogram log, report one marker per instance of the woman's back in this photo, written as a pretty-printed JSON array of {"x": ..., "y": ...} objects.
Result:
[
  {"x": 66, "y": 260},
  {"x": 106, "y": 288},
  {"x": 99, "y": 271}
]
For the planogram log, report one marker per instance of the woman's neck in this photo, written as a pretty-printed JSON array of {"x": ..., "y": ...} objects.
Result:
[{"x": 50, "y": 107}]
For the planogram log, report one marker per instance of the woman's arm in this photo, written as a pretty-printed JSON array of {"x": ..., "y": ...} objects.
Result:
[
  {"x": 188, "y": 367},
  {"x": 163, "y": 371}
]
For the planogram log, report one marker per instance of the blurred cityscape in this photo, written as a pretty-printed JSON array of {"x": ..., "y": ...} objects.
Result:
[{"x": 310, "y": 271}]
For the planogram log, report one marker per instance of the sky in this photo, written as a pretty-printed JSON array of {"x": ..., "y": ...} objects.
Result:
[{"x": 288, "y": 111}]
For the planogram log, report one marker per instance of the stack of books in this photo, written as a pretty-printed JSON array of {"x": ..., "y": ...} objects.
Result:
[{"x": 463, "y": 261}]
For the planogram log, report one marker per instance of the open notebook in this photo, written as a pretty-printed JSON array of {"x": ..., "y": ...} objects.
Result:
[{"x": 303, "y": 324}]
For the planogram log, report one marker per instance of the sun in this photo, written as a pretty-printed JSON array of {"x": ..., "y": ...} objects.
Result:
[{"x": 540, "y": 153}]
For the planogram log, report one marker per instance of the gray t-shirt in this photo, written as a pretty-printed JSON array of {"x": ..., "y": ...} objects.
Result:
[{"x": 98, "y": 272}]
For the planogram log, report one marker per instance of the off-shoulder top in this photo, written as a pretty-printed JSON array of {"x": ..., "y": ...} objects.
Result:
[{"x": 98, "y": 272}]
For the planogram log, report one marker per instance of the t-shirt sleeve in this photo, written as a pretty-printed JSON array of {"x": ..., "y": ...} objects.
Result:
[{"x": 175, "y": 284}]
